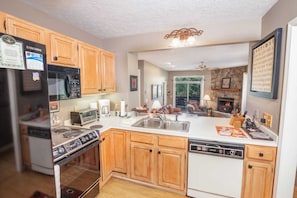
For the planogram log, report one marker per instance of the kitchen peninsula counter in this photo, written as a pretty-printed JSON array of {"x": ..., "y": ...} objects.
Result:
[{"x": 203, "y": 128}]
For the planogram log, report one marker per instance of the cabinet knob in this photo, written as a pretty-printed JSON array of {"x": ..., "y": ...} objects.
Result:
[
  {"x": 261, "y": 154},
  {"x": 55, "y": 58},
  {"x": 250, "y": 166},
  {"x": 159, "y": 152},
  {"x": 151, "y": 150}
]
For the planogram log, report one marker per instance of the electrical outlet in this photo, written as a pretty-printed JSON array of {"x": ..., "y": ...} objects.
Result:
[{"x": 268, "y": 119}]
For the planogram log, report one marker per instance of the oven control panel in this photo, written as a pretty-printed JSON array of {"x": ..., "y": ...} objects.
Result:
[{"x": 217, "y": 148}]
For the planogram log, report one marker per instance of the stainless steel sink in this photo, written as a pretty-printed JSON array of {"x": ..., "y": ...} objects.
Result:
[{"x": 156, "y": 123}]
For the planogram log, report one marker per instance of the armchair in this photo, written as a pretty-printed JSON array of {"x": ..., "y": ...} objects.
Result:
[{"x": 194, "y": 108}]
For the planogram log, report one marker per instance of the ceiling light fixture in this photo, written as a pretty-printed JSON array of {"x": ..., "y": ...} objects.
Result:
[{"x": 183, "y": 37}]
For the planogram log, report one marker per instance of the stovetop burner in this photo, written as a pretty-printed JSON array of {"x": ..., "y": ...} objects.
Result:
[
  {"x": 96, "y": 126},
  {"x": 71, "y": 134},
  {"x": 61, "y": 130}
]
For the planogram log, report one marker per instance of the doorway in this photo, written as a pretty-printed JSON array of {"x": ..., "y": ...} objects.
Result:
[{"x": 187, "y": 88}]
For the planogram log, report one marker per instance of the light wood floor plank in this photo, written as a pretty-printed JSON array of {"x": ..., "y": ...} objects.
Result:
[{"x": 116, "y": 188}]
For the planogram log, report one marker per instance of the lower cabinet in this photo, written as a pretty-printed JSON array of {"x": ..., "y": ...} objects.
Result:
[
  {"x": 160, "y": 160},
  {"x": 106, "y": 155},
  {"x": 156, "y": 159},
  {"x": 25, "y": 146},
  {"x": 113, "y": 153},
  {"x": 258, "y": 175}
]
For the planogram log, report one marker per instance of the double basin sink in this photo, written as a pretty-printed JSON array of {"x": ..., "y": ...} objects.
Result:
[{"x": 156, "y": 123}]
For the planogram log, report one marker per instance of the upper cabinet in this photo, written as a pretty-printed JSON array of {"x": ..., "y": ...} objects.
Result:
[
  {"x": 2, "y": 21},
  {"x": 24, "y": 29},
  {"x": 108, "y": 71},
  {"x": 61, "y": 50},
  {"x": 97, "y": 69},
  {"x": 89, "y": 60}
]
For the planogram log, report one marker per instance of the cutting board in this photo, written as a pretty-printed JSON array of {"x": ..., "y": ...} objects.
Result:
[{"x": 230, "y": 131}]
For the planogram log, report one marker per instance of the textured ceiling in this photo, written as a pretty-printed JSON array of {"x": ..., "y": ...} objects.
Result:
[
  {"x": 107, "y": 19},
  {"x": 115, "y": 18}
]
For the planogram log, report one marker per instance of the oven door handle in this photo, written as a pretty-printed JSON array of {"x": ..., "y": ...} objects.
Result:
[{"x": 70, "y": 157}]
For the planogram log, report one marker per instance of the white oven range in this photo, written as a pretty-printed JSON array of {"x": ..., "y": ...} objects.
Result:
[{"x": 76, "y": 161}]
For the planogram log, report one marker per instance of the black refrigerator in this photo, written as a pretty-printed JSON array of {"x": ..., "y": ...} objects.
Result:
[{"x": 24, "y": 101}]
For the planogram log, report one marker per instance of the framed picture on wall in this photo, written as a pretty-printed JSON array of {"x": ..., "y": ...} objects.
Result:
[
  {"x": 154, "y": 91},
  {"x": 226, "y": 83},
  {"x": 265, "y": 65},
  {"x": 160, "y": 91},
  {"x": 133, "y": 83}
]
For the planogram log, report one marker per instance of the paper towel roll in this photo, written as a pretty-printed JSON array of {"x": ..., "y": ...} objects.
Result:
[{"x": 122, "y": 109}]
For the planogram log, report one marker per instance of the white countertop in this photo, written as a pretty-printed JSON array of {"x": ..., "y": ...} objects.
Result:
[{"x": 203, "y": 128}]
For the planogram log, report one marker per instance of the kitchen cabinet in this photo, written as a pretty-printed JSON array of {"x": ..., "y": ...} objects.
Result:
[
  {"x": 159, "y": 159},
  {"x": 89, "y": 61},
  {"x": 61, "y": 50},
  {"x": 120, "y": 150},
  {"x": 2, "y": 21},
  {"x": 258, "y": 174},
  {"x": 90, "y": 159},
  {"x": 113, "y": 153},
  {"x": 106, "y": 155},
  {"x": 172, "y": 158},
  {"x": 25, "y": 146},
  {"x": 107, "y": 70},
  {"x": 142, "y": 157},
  {"x": 97, "y": 69},
  {"x": 24, "y": 29}
]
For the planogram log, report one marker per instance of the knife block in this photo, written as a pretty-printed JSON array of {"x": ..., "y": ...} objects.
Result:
[{"x": 236, "y": 121}]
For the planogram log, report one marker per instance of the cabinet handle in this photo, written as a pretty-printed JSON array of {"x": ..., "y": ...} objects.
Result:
[
  {"x": 55, "y": 58},
  {"x": 99, "y": 89},
  {"x": 151, "y": 150},
  {"x": 261, "y": 154},
  {"x": 104, "y": 89},
  {"x": 4, "y": 25},
  {"x": 103, "y": 139},
  {"x": 250, "y": 166},
  {"x": 159, "y": 152}
]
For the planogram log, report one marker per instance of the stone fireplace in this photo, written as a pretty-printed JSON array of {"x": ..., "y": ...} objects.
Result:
[{"x": 225, "y": 105}]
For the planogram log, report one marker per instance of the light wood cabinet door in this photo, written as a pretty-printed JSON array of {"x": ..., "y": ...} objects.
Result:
[
  {"x": 142, "y": 162},
  {"x": 108, "y": 71},
  {"x": 89, "y": 60},
  {"x": 106, "y": 154},
  {"x": 26, "y": 158},
  {"x": 172, "y": 168},
  {"x": 24, "y": 29},
  {"x": 258, "y": 172},
  {"x": 90, "y": 159},
  {"x": 2, "y": 21},
  {"x": 258, "y": 179},
  {"x": 61, "y": 50},
  {"x": 120, "y": 151}
]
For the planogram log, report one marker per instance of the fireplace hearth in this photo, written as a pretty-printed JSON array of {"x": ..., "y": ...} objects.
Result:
[{"x": 225, "y": 105}]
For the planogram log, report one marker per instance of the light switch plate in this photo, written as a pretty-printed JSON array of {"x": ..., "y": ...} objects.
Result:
[{"x": 268, "y": 119}]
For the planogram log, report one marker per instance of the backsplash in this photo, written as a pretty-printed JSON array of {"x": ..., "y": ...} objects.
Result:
[{"x": 66, "y": 106}]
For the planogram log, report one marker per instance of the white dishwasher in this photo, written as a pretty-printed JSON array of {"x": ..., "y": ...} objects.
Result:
[{"x": 215, "y": 169}]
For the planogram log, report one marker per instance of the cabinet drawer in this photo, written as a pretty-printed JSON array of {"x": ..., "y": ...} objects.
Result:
[
  {"x": 143, "y": 138},
  {"x": 173, "y": 142},
  {"x": 260, "y": 152}
]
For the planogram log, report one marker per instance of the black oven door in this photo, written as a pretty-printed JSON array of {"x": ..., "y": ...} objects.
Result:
[
  {"x": 78, "y": 175},
  {"x": 63, "y": 83}
]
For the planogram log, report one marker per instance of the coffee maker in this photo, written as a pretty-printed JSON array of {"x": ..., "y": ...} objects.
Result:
[{"x": 104, "y": 107}]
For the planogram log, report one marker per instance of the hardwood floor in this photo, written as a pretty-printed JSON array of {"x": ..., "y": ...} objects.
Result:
[
  {"x": 21, "y": 184},
  {"x": 125, "y": 189},
  {"x": 14, "y": 184}
]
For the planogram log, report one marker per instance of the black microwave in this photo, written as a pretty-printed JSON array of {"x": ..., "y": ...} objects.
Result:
[{"x": 63, "y": 83}]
